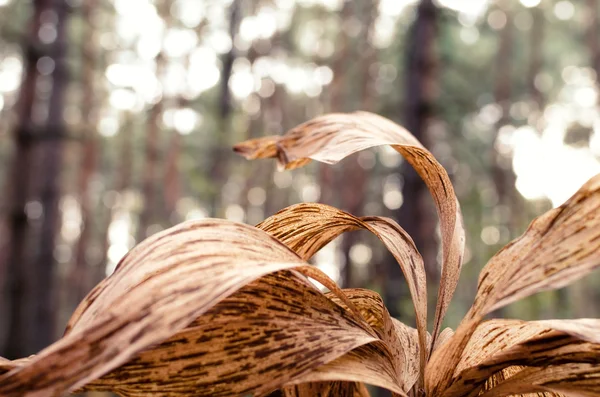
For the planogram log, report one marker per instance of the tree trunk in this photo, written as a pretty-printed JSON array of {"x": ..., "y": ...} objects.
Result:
[
  {"x": 218, "y": 170},
  {"x": 593, "y": 40},
  {"x": 502, "y": 173},
  {"x": 501, "y": 168},
  {"x": 79, "y": 280},
  {"x": 353, "y": 190},
  {"x": 172, "y": 183},
  {"x": 416, "y": 215},
  {"x": 537, "y": 56},
  {"x": 35, "y": 184},
  {"x": 152, "y": 158},
  {"x": 122, "y": 181}
]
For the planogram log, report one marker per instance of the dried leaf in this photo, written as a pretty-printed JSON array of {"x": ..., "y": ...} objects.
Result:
[
  {"x": 370, "y": 363},
  {"x": 587, "y": 329},
  {"x": 159, "y": 288},
  {"x": 409, "y": 342},
  {"x": 506, "y": 373},
  {"x": 558, "y": 248},
  {"x": 572, "y": 379},
  {"x": 332, "y": 137},
  {"x": 400, "y": 340},
  {"x": 327, "y": 389},
  {"x": 306, "y": 228},
  {"x": 8, "y": 365},
  {"x": 444, "y": 337},
  {"x": 270, "y": 332},
  {"x": 500, "y": 344},
  {"x": 365, "y": 364}
]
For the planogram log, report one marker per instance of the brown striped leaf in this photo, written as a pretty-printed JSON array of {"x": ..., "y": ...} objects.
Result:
[
  {"x": 444, "y": 337},
  {"x": 558, "y": 248},
  {"x": 8, "y": 365},
  {"x": 506, "y": 373},
  {"x": 371, "y": 363},
  {"x": 325, "y": 389},
  {"x": 500, "y": 344},
  {"x": 306, "y": 228},
  {"x": 368, "y": 364},
  {"x": 158, "y": 289},
  {"x": 332, "y": 137},
  {"x": 573, "y": 379},
  {"x": 5, "y": 365},
  {"x": 400, "y": 340},
  {"x": 269, "y": 333},
  {"x": 587, "y": 329}
]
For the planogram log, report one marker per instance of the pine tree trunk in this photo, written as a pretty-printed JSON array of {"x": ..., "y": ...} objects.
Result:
[
  {"x": 537, "y": 58},
  {"x": 172, "y": 182},
  {"x": 502, "y": 173},
  {"x": 218, "y": 171},
  {"x": 353, "y": 189},
  {"x": 35, "y": 186},
  {"x": 122, "y": 182},
  {"x": 79, "y": 279},
  {"x": 152, "y": 156},
  {"x": 593, "y": 39},
  {"x": 416, "y": 215}
]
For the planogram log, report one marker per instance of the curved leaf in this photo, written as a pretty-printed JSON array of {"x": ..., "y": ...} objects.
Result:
[
  {"x": 558, "y": 248},
  {"x": 332, "y": 137},
  {"x": 365, "y": 364},
  {"x": 507, "y": 373},
  {"x": 400, "y": 340},
  {"x": 399, "y": 346},
  {"x": 444, "y": 337},
  {"x": 500, "y": 344},
  {"x": 306, "y": 228},
  {"x": 326, "y": 389},
  {"x": 158, "y": 289},
  {"x": 270, "y": 332},
  {"x": 573, "y": 379},
  {"x": 8, "y": 365}
]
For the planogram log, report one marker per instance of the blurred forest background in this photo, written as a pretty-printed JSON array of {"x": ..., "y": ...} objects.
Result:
[{"x": 117, "y": 119}]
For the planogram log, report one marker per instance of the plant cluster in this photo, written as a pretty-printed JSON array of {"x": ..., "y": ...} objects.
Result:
[{"x": 217, "y": 308}]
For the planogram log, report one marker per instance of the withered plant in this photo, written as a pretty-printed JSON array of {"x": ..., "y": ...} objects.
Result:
[{"x": 218, "y": 308}]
